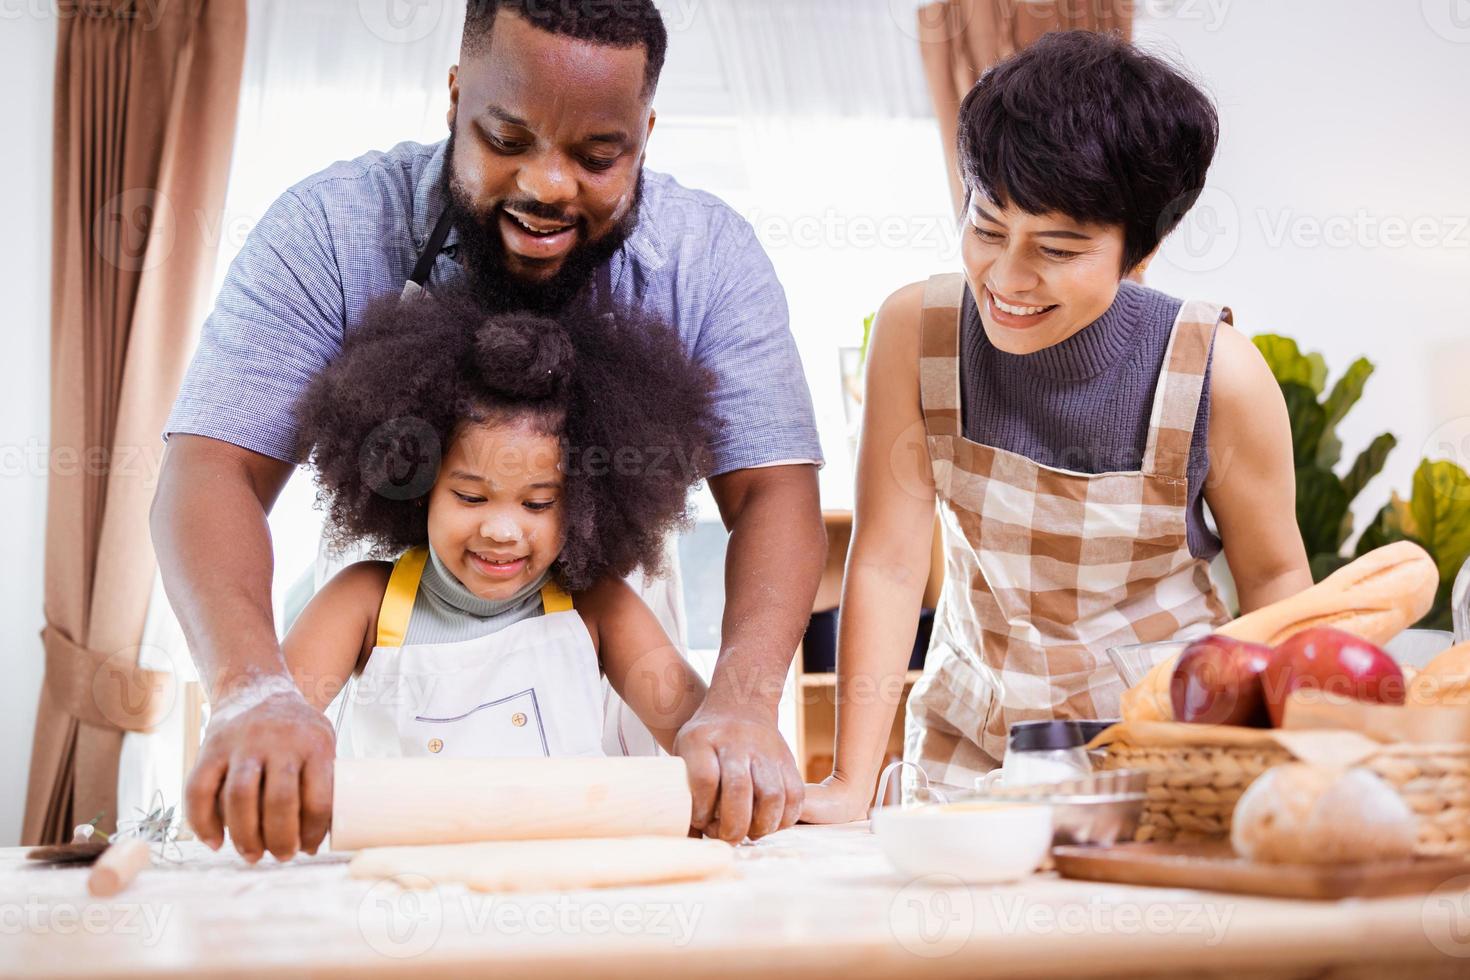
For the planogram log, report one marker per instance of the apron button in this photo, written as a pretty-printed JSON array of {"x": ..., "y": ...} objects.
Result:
[
  {"x": 518, "y": 720},
  {"x": 435, "y": 744}
]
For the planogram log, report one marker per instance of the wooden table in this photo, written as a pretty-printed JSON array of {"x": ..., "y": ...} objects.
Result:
[{"x": 812, "y": 901}]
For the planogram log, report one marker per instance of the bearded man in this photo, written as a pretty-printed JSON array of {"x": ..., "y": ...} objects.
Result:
[{"x": 537, "y": 200}]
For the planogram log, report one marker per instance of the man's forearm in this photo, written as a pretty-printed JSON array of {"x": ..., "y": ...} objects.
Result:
[
  {"x": 776, "y": 553},
  {"x": 214, "y": 554}
]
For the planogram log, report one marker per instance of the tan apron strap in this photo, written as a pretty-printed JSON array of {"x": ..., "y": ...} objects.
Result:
[
  {"x": 1180, "y": 388},
  {"x": 939, "y": 354},
  {"x": 398, "y": 598}
]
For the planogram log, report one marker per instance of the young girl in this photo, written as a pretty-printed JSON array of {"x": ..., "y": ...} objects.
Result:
[
  {"x": 1070, "y": 423},
  {"x": 519, "y": 467}
]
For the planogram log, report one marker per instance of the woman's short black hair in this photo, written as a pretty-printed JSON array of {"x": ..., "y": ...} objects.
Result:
[
  {"x": 634, "y": 414},
  {"x": 1090, "y": 126},
  {"x": 617, "y": 23}
]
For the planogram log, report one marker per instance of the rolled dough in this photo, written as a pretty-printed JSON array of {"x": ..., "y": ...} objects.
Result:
[{"x": 547, "y": 865}]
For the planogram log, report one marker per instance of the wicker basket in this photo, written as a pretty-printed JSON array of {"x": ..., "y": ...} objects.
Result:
[{"x": 1197, "y": 775}]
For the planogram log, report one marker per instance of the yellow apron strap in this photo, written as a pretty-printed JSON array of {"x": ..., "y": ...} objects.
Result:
[
  {"x": 403, "y": 588},
  {"x": 554, "y": 599}
]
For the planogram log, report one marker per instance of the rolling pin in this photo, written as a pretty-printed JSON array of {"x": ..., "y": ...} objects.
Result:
[
  {"x": 118, "y": 866},
  {"x": 387, "y": 802}
]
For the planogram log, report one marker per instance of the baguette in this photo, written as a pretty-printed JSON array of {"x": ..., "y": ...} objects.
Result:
[
  {"x": 1376, "y": 597},
  {"x": 1149, "y": 699}
]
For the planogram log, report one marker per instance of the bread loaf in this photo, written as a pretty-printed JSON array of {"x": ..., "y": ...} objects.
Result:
[
  {"x": 1444, "y": 680},
  {"x": 1149, "y": 699},
  {"x": 1302, "y": 814},
  {"x": 1376, "y": 597}
]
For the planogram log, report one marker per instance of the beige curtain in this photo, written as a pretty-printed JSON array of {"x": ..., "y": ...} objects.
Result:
[
  {"x": 146, "y": 100},
  {"x": 961, "y": 39}
]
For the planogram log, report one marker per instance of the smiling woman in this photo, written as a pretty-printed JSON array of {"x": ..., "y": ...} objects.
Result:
[{"x": 1068, "y": 420}]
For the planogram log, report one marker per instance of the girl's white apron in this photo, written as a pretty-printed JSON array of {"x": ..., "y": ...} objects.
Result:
[{"x": 531, "y": 689}]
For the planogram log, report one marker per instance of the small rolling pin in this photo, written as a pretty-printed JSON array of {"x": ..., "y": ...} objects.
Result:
[
  {"x": 118, "y": 866},
  {"x": 388, "y": 802}
]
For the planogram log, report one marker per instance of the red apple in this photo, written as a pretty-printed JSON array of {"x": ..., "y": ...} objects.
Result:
[
  {"x": 1218, "y": 682},
  {"x": 1334, "y": 661}
]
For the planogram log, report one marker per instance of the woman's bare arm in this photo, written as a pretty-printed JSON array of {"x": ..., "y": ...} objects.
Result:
[
  {"x": 887, "y": 565},
  {"x": 1251, "y": 488}
]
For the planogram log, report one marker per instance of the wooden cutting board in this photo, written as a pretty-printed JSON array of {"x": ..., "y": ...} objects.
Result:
[{"x": 1214, "y": 867}]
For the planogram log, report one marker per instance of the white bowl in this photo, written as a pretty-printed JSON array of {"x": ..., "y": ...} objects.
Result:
[{"x": 980, "y": 843}]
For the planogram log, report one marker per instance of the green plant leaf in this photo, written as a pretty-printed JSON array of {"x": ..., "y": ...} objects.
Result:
[
  {"x": 1345, "y": 531},
  {"x": 1329, "y": 450},
  {"x": 1308, "y": 420},
  {"x": 1317, "y": 366},
  {"x": 1441, "y": 510},
  {"x": 1440, "y": 615},
  {"x": 1370, "y": 463},
  {"x": 1321, "y": 504},
  {"x": 1325, "y": 564},
  {"x": 1348, "y": 390},
  {"x": 1345, "y": 394},
  {"x": 867, "y": 336},
  {"x": 1289, "y": 365},
  {"x": 1387, "y": 526}
]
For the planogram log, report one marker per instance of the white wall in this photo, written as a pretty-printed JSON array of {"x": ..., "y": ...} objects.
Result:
[
  {"x": 27, "y": 52},
  {"x": 1344, "y": 125}
]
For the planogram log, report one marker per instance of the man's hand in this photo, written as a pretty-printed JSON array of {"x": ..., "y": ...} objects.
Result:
[
  {"x": 741, "y": 773},
  {"x": 265, "y": 773}
]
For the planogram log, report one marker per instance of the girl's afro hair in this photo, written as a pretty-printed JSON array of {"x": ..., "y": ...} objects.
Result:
[{"x": 634, "y": 414}]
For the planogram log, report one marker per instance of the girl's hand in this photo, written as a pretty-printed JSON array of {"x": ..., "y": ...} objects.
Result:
[{"x": 835, "y": 800}]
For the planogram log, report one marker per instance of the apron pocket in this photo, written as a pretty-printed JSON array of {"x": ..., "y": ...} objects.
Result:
[
  {"x": 956, "y": 693},
  {"x": 508, "y": 727}
]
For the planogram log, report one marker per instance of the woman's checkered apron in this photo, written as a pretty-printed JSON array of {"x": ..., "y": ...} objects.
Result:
[{"x": 1045, "y": 568}]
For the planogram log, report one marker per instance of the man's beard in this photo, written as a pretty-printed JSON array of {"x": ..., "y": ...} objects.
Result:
[{"x": 483, "y": 255}]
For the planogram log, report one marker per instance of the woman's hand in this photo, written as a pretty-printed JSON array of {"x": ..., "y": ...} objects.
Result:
[{"x": 835, "y": 800}]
